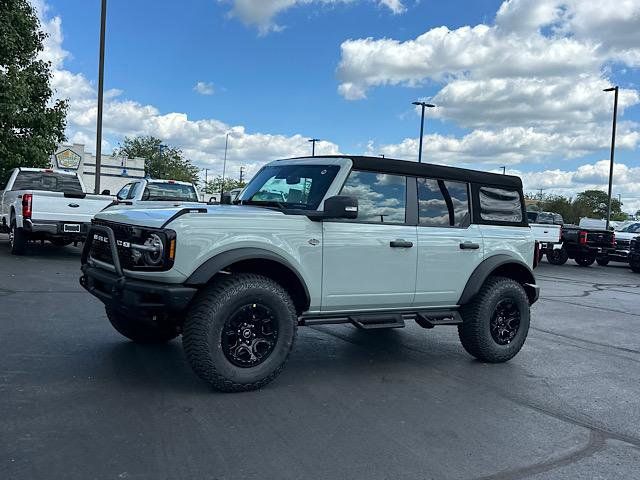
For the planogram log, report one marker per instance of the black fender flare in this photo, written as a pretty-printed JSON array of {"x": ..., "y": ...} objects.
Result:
[
  {"x": 521, "y": 272},
  {"x": 211, "y": 267}
]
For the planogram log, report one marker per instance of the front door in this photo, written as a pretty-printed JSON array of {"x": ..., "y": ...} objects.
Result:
[{"x": 370, "y": 263}]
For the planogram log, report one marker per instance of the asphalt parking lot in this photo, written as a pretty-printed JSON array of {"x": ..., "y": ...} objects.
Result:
[{"x": 77, "y": 401}]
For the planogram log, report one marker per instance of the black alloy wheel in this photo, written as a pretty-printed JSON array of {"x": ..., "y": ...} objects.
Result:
[
  {"x": 250, "y": 335},
  {"x": 505, "y": 322}
]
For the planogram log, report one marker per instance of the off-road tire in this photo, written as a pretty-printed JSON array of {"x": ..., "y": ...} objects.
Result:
[
  {"x": 474, "y": 332},
  {"x": 204, "y": 324},
  {"x": 635, "y": 267},
  {"x": 603, "y": 262},
  {"x": 141, "y": 329},
  {"x": 558, "y": 256},
  {"x": 18, "y": 240},
  {"x": 585, "y": 260}
]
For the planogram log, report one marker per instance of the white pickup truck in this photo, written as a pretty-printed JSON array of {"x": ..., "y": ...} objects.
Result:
[
  {"x": 547, "y": 230},
  {"x": 149, "y": 193},
  {"x": 46, "y": 204}
]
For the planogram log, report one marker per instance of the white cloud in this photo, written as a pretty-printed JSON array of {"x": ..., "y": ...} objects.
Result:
[
  {"x": 262, "y": 13},
  {"x": 204, "y": 88},
  {"x": 587, "y": 177},
  {"x": 201, "y": 140}
]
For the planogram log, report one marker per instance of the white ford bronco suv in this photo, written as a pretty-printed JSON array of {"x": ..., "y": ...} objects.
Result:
[{"x": 342, "y": 239}]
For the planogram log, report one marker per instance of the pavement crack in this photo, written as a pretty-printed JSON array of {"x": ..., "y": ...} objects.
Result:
[
  {"x": 600, "y": 344},
  {"x": 597, "y": 442}
]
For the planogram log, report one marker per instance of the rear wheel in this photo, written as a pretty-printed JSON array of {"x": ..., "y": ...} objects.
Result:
[
  {"x": 239, "y": 332},
  {"x": 17, "y": 240},
  {"x": 496, "y": 323},
  {"x": 141, "y": 329},
  {"x": 585, "y": 260},
  {"x": 603, "y": 261},
  {"x": 557, "y": 256}
]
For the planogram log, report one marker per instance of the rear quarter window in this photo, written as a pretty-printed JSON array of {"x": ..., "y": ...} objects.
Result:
[
  {"x": 47, "y": 181},
  {"x": 500, "y": 205}
]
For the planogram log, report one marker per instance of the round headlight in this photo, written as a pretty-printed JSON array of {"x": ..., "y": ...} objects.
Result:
[{"x": 154, "y": 257}]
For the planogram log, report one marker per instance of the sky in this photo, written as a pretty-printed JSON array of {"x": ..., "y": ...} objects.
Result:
[{"x": 516, "y": 83}]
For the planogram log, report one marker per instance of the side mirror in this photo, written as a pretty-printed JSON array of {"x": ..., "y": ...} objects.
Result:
[
  {"x": 225, "y": 199},
  {"x": 341, "y": 206}
]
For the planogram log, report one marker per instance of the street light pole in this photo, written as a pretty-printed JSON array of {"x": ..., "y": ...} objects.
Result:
[
  {"x": 613, "y": 146},
  {"x": 313, "y": 145},
  {"x": 103, "y": 25},
  {"x": 423, "y": 105},
  {"x": 504, "y": 170},
  {"x": 224, "y": 164}
]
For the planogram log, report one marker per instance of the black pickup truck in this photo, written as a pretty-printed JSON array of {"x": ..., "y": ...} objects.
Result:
[
  {"x": 634, "y": 255},
  {"x": 586, "y": 245}
]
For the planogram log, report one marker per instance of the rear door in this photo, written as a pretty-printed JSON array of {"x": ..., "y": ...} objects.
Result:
[
  {"x": 449, "y": 246},
  {"x": 370, "y": 262}
]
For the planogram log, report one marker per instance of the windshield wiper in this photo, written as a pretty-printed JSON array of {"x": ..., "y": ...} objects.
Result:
[{"x": 265, "y": 203}]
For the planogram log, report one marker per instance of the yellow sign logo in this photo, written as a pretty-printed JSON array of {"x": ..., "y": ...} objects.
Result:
[{"x": 68, "y": 159}]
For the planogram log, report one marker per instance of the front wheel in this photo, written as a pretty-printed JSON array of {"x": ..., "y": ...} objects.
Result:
[
  {"x": 141, "y": 329},
  {"x": 558, "y": 256},
  {"x": 18, "y": 239},
  {"x": 585, "y": 260},
  {"x": 496, "y": 323},
  {"x": 635, "y": 267},
  {"x": 239, "y": 332},
  {"x": 603, "y": 261}
]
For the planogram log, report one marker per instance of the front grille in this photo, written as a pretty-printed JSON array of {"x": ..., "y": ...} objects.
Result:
[
  {"x": 124, "y": 233},
  {"x": 623, "y": 244}
]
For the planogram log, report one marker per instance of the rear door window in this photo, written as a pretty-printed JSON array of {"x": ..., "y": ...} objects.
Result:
[
  {"x": 443, "y": 203},
  {"x": 500, "y": 205}
]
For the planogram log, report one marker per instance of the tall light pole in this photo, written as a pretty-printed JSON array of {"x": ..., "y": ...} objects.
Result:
[
  {"x": 103, "y": 25},
  {"x": 613, "y": 146},
  {"x": 423, "y": 105},
  {"x": 504, "y": 170},
  {"x": 224, "y": 163},
  {"x": 313, "y": 145}
]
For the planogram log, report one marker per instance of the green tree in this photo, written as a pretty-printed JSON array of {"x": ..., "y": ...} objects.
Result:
[
  {"x": 31, "y": 124},
  {"x": 594, "y": 204},
  {"x": 562, "y": 205},
  {"x": 215, "y": 186},
  {"x": 160, "y": 161}
]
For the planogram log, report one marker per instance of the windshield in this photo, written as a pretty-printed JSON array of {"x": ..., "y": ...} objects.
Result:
[
  {"x": 169, "y": 192},
  {"x": 47, "y": 181},
  {"x": 633, "y": 228},
  {"x": 291, "y": 186}
]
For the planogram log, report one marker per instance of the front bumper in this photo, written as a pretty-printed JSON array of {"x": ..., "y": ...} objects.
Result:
[
  {"x": 122, "y": 293},
  {"x": 119, "y": 292}
]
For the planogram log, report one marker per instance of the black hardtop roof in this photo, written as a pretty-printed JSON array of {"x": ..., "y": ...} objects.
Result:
[{"x": 404, "y": 167}]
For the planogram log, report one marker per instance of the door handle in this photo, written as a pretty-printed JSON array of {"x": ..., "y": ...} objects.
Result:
[
  {"x": 400, "y": 244},
  {"x": 469, "y": 246}
]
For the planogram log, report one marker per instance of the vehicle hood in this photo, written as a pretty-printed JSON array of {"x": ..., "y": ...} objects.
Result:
[
  {"x": 626, "y": 235},
  {"x": 158, "y": 217}
]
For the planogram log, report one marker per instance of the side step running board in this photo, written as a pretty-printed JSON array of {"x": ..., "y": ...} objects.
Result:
[
  {"x": 370, "y": 322},
  {"x": 431, "y": 319}
]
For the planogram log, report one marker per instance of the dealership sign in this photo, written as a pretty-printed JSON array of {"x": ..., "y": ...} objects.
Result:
[{"x": 68, "y": 159}]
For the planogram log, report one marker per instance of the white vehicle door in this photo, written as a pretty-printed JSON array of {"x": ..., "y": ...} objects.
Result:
[
  {"x": 449, "y": 246},
  {"x": 370, "y": 262}
]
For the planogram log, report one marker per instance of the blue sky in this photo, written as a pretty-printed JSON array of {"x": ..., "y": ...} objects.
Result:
[{"x": 517, "y": 83}]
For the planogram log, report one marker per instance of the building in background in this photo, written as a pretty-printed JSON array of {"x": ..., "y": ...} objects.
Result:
[{"x": 115, "y": 172}]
